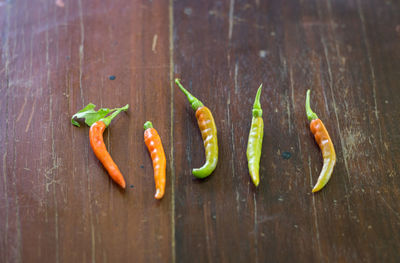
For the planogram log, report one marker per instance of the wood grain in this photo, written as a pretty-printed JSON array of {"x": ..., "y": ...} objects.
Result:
[{"x": 57, "y": 203}]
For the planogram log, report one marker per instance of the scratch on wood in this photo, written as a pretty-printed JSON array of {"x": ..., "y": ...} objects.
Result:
[
  {"x": 231, "y": 13},
  {"x": 22, "y": 108},
  {"x": 237, "y": 201},
  {"x": 236, "y": 77},
  {"x": 6, "y": 44},
  {"x": 391, "y": 208},
  {"x": 93, "y": 241},
  {"x": 255, "y": 226},
  {"x": 299, "y": 143},
  {"x": 31, "y": 115},
  {"x": 6, "y": 70},
  {"x": 292, "y": 88},
  {"x": 18, "y": 223},
  {"x": 57, "y": 42},
  {"x": 6, "y": 149},
  {"x": 207, "y": 215},
  {"x": 81, "y": 49},
  {"x": 315, "y": 211},
  {"x": 289, "y": 113},
  {"x": 233, "y": 154},
  {"x": 5, "y": 195},
  {"x": 324, "y": 94},
  {"x": 371, "y": 66},
  {"x": 154, "y": 45},
  {"x": 172, "y": 167},
  {"x": 16, "y": 204}
]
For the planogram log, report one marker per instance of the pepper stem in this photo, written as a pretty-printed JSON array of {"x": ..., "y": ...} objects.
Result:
[
  {"x": 310, "y": 114},
  {"x": 257, "y": 111},
  {"x": 109, "y": 118},
  {"x": 194, "y": 102},
  {"x": 147, "y": 125}
]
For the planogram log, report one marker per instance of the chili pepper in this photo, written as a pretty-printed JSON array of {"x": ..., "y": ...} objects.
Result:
[
  {"x": 321, "y": 136},
  {"x": 208, "y": 131},
  {"x": 98, "y": 122},
  {"x": 254, "y": 144},
  {"x": 154, "y": 145}
]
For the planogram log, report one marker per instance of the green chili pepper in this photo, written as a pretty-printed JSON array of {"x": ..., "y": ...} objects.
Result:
[
  {"x": 254, "y": 144},
  {"x": 208, "y": 130}
]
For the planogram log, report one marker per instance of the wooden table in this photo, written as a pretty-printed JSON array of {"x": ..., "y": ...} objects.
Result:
[{"x": 58, "y": 203}]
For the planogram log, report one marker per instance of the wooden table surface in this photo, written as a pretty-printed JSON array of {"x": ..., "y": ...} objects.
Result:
[{"x": 57, "y": 203}]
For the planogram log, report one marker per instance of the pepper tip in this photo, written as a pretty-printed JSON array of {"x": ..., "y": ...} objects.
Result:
[
  {"x": 159, "y": 194},
  {"x": 315, "y": 189}
]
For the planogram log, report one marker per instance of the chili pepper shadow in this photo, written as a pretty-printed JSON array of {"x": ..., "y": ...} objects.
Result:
[
  {"x": 254, "y": 188},
  {"x": 193, "y": 134},
  {"x": 114, "y": 184},
  {"x": 202, "y": 180}
]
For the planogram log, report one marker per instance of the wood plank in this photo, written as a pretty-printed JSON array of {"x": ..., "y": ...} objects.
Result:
[
  {"x": 54, "y": 182},
  {"x": 213, "y": 216}
]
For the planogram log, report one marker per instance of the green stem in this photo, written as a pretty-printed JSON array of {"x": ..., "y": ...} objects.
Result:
[
  {"x": 109, "y": 118},
  {"x": 147, "y": 125},
  {"x": 194, "y": 102},
  {"x": 257, "y": 111},
  {"x": 310, "y": 114}
]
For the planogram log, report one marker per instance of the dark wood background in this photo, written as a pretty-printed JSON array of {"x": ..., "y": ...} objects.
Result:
[{"x": 57, "y": 203}]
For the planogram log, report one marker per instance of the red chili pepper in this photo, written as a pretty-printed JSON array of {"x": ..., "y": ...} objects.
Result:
[{"x": 98, "y": 123}]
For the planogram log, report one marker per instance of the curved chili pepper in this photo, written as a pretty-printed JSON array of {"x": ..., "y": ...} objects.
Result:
[
  {"x": 154, "y": 145},
  {"x": 321, "y": 136},
  {"x": 208, "y": 130},
  {"x": 98, "y": 123},
  {"x": 254, "y": 143}
]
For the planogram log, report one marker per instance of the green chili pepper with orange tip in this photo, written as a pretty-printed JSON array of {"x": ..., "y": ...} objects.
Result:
[
  {"x": 208, "y": 130},
  {"x": 321, "y": 136},
  {"x": 254, "y": 143},
  {"x": 156, "y": 150},
  {"x": 98, "y": 122}
]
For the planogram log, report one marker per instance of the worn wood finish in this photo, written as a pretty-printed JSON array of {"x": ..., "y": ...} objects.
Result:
[{"x": 57, "y": 202}]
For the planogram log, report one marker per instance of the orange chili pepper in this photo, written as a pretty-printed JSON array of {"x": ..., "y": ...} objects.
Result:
[
  {"x": 99, "y": 149},
  {"x": 156, "y": 150},
  {"x": 98, "y": 122},
  {"x": 324, "y": 141}
]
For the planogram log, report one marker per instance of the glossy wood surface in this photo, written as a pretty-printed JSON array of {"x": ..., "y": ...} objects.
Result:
[{"x": 57, "y": 203}]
